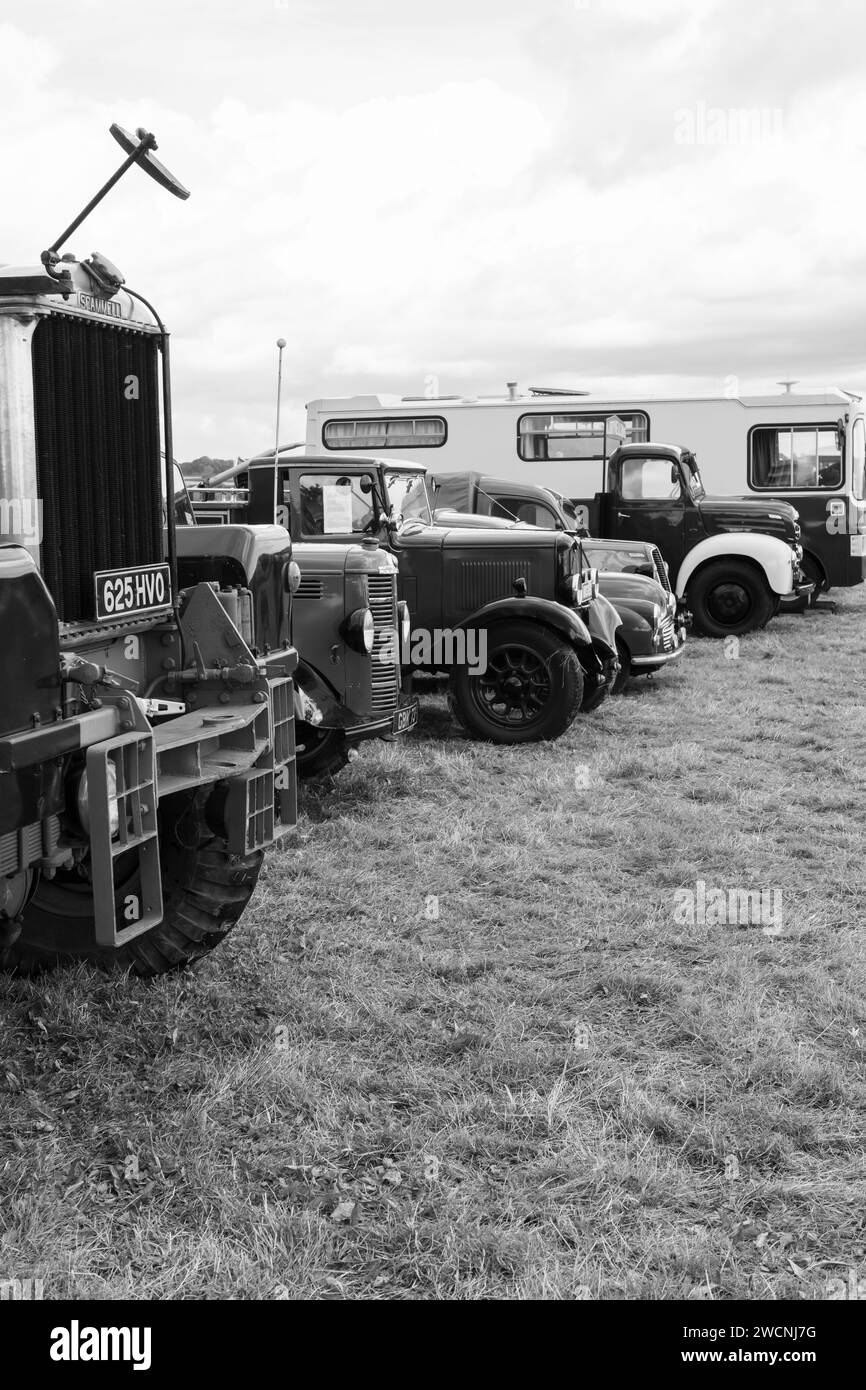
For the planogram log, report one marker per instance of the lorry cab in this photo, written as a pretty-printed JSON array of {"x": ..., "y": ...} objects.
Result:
[{"x": 347, "y": 623}]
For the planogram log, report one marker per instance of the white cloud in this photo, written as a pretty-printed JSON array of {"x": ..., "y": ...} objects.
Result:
[{"x": 474, "y": 191}]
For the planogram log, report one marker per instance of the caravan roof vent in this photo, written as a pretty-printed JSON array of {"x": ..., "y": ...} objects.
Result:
[{"x": 556, "y": 391}]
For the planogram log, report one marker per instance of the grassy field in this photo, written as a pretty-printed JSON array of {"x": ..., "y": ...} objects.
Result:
[{"x": 464, "y": 1045}]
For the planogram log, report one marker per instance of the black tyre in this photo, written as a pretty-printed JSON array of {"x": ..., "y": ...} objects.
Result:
[
  {"x": 532, "y": 687},
  {"x": 624, "y": 672},
  {"x": 729, "y": 597},
  {"x": 320, "y": 752},
  {"x": 204, "y": 889},
  {"x": 815, "y": 575}
]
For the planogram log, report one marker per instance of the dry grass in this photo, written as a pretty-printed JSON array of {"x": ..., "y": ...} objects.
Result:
[{"x": 554, "y": 1090}]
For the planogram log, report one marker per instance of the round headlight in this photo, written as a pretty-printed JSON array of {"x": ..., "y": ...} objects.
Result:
[
  {"x": 571, "y": 588},
  {"x": 360, "y": 630},
  {"x": 405, "y": 623},
  {"x": 82, "y": 802},
  {"x": 293, "y": 577}
]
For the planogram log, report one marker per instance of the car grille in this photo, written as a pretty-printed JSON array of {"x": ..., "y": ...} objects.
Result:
[
  {"x": 661, "y": 570},
  {"x": 382, "y": 596},
  {"x": 668, "y": 631}
]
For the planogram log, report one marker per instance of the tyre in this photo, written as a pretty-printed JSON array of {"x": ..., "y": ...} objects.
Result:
[
  {"x": 815, "y": 575},
  {"x": 624, "y": 671},
  {"x": 531, "y": 689},
  {"x": 729, "y": 597},
  {"x": 204, "y": 889},
  {"x": 320, "y": 752}
]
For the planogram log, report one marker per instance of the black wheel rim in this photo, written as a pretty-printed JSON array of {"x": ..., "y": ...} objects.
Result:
[
  {"x": 515, "y": 689},
  {"x": 729, "y": 603}
]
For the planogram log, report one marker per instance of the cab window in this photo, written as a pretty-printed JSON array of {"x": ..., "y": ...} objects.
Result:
[
  {"x": 650, "y": 479},
  {"x": 335, "y": 504},
  {"x": 526, "y": 510},
  {"x": 805, "y": 457}
]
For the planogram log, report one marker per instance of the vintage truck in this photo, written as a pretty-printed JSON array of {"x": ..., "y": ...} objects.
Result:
[
  {"x": 147, "y": 753},
  {"x": 514, "y": 619},
  {"x": 345, "y": 617},
  {"x": 653, "y": 630}
]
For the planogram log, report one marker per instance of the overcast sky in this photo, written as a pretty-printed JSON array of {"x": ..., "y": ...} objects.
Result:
[{"x": 573, "y": 192}]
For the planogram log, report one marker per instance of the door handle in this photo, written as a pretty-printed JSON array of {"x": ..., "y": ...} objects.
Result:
[{"x": 622, "y": 516}]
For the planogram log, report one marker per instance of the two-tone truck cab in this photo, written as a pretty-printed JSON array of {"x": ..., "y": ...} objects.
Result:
[
  {"x": 733, "y": 560},
  {"x": 514, "y": 619}
]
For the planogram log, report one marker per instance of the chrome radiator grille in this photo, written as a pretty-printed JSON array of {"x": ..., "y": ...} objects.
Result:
[
  {"x": 385, "y": 676},
  {"x": 668, "y": 631}
]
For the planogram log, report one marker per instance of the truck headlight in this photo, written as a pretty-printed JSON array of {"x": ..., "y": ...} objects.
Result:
[
  {"x": 405, "y": 622},
  {"x": 293, "y": 577},
  {"x": 571, "y": 589},
  {"x": 82, "y": 802},
  {"x": 359, "y": 630}
]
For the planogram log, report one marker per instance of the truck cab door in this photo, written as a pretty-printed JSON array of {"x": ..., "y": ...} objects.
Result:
[{"x": 648, "y": 502}]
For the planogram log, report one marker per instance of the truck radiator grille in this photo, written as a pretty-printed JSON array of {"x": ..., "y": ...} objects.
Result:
[
  {"x": 385, "y": 676},
  {"x": 97, "y": 455}
]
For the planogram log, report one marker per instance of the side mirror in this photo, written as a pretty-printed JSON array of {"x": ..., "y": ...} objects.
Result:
[{"x": 675, "y": 473}]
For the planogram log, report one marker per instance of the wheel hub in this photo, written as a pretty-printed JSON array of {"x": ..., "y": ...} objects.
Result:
[
  {"x": 729, "y": 603},
  {"x": 515, "y": 687}
]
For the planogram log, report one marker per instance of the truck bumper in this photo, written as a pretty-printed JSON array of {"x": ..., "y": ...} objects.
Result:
[
  {"x": 798, "y": 597},
  {"x": 404, "y": 718}
]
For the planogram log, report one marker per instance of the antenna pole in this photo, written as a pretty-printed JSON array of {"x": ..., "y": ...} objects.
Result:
[{"x": 281, "y": 343}]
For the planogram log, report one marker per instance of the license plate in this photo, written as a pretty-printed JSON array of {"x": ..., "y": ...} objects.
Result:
[
  {"x": 120, "y": 593},
  {"x": 405, "y": 718}
]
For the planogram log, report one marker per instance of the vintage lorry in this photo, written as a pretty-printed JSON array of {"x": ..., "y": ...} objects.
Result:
[
  {"x": 733, "y": 560},
  {"x": 147, "y": 709},
  {"x": 653, "y": 629},
  {"x": 524, "y": 604},
  {"x": 346, "y": 617}
]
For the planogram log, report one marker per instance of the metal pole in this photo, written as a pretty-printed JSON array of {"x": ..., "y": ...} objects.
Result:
[{"x": 281, "y": 343}]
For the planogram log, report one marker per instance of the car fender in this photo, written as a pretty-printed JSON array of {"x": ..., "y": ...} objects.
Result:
[
  {"x": 538, "y": 610},
  {"x": 773, "y": 557}
]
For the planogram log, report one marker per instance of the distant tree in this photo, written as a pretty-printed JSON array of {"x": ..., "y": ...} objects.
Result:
[{"x": 204, "y": 466}]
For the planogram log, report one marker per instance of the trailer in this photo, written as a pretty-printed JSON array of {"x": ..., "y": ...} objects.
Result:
[{"x": 805, "y": 448}]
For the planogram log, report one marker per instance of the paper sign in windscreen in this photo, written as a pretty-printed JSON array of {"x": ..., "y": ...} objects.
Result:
[{"x": 337, "y": 509}]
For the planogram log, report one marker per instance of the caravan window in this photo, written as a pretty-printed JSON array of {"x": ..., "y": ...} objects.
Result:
[
  {"x": 805, "y": 457},
  {"x": 369, "y": 436},
  {"x": 572, "y": 435}
]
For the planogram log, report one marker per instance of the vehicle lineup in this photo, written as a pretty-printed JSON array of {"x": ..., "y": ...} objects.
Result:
[{"x": 177, "y": 660}]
